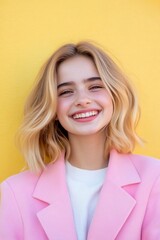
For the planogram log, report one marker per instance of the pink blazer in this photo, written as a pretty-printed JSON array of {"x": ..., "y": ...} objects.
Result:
[{"x": 38, "y": 207}]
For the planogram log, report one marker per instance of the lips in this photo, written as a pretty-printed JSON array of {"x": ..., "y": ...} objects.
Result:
[{"x": 86, "y": 114}]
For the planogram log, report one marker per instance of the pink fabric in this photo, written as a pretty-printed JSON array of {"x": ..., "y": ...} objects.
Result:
[{"x": 38, "y": 207}]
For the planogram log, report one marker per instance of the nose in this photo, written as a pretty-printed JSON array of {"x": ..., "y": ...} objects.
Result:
[{"x": 82, "y": 99}]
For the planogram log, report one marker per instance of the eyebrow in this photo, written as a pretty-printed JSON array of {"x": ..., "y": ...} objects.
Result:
[{"x": 72, "y": 83}]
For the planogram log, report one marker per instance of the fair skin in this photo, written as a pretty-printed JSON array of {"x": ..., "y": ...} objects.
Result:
[{"x": 84, "y": 109}]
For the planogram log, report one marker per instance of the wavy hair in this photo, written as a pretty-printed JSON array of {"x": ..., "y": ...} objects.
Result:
[{"x": 41, "y": 137}]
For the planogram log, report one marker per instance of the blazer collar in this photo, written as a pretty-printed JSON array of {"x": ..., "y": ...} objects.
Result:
[
  {"x": 113, "y": 209},
  {"x": 121, "y": 170},
  {"x": 115, "y": 203},
  {"x": 57, "y": 218}
]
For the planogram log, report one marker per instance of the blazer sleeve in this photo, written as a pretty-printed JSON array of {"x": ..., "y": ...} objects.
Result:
[
  {"x": 151, "y": 224},
  {"x": 11, "y": 226}
]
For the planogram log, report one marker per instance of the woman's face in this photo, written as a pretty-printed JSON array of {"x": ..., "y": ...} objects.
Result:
[{"x": 84, "y": 104}]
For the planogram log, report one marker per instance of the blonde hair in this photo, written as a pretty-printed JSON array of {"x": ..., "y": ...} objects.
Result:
[{"x": 42, "y": 137}]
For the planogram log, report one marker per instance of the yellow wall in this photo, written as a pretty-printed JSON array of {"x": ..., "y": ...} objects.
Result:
[{"x": 31, "y": 30}]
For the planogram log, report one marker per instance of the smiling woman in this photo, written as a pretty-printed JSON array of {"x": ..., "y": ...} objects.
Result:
[
  {"x": 43, "y": 135},
  {"x": 84, "y": 99},
  {"x": 77, "y": 137}
]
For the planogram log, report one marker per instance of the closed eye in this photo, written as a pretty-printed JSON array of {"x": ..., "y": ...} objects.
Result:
[
  {"x": 65, "y": 93},
  {"x": 96, "y": 87}
]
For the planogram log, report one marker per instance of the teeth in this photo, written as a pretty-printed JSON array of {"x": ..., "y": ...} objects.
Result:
[{"x": 85, "y": 115}]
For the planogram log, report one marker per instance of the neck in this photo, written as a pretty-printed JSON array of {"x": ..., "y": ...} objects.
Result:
[{"x": 87, "y": 152}]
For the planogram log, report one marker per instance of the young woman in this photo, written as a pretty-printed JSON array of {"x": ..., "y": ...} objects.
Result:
[{"x": 77, "y": 137}]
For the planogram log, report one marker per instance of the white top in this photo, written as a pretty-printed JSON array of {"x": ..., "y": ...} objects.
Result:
[{"x": 84, "y": 187}]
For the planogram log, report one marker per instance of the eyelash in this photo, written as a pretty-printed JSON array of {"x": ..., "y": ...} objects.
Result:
[
  {"x": 95, "y": 87},
  {"x": 65, "y": 92}
]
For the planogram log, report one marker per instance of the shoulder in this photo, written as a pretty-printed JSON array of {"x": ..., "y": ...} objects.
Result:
[
  {"x": 26, "y": 181},
  {"x": 146, "y": 166},
  {"x": 19, "y": 182},
  {"x": 145, "y": 161},
  {"x": 139, "y": 161},
  {"x": 21, "y": 177},
  {"x": 131, "y": 167}
]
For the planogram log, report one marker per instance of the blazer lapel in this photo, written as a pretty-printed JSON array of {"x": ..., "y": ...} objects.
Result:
[
  {"x": 57, "y": 218},
  {"x": 115, "y": 204}
]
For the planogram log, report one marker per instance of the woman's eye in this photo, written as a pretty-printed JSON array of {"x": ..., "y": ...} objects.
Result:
[
  {"x": 65, "y": 93},
  {"x": 96, "y": 87}
]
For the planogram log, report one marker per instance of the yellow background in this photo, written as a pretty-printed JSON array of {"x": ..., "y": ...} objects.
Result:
[{"x": 31, "y": 30}]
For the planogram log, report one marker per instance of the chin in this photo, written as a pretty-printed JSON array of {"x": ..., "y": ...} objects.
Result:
[{"x": 87, "y": 132}]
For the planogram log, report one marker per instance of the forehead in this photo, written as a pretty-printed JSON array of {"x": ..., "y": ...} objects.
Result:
[{"x": 76, "y": 67}]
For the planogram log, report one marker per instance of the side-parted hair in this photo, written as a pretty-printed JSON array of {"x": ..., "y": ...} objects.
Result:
[{"x": 41, "y": 137}]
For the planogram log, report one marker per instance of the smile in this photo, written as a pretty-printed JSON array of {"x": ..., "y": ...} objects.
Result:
[{"x": 85, "y": 115}]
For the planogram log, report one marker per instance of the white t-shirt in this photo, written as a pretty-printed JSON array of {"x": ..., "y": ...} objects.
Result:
[{"x": 84, "y": 187}]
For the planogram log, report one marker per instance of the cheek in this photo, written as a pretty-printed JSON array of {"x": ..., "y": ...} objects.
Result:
[
  {"x": 110, "y": 103},
  {"x": 107, "y": 104},
  {"x": 62, "y": 108},
  {"x": 105, "y": 100}
]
